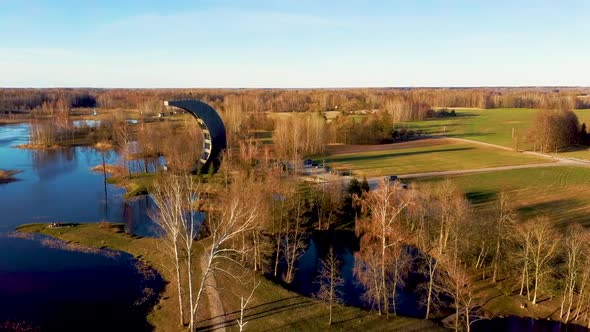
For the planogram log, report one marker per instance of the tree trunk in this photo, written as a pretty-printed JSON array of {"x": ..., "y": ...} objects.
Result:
[
  {"x": 190, "y": 285},
  {"x": 383, "y": 279},
  {"x": 178, "y": 288},
  {"x": 496, "y": 260},
  {"x": 536, "y": 284},
  {"x": 431, "y": 271},
  {"x": 524, "y": 271}
]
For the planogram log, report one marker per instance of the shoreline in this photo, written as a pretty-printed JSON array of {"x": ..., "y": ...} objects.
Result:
[{"x": 111, "y": 236}]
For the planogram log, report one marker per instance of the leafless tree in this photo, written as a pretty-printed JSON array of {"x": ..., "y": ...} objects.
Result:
[
  {"x": 243, "y": 305},
  {"x": 167, "y": 195},
  {"x": 190, "y": 221},
  {"x": 294, "y": 241},
  {"x": 504, "y": 225},
  {"x": 439, "y": 239},
  {"x": 235, "y": 212},
  {"x": 382, "y": 239},
  {"x": 330, "y": 281},
  {"x": 539, "y": 241},
  {"x": 575, "y": 247},
  {"x": 553, "y": 130},
  {"x": 328, "y": 200}
]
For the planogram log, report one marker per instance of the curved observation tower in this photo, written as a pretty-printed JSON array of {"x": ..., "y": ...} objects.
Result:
[{"x": 214, "y": 139}]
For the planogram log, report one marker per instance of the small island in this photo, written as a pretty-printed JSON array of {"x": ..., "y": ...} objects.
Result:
[{"x": 7, "y": 176}]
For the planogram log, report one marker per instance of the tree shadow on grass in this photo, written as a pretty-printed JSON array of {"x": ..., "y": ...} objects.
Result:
[
  {"x": 555, "y": 208},
  {"x": 548, "y": 206},
  {"x": 576, "y": 148},
  {"x": 481, "y": 197},
  {"x": 258, "y": 312}
]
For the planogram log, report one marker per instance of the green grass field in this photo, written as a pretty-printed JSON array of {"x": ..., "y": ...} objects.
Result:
[
  {"x": 562, "y": 193},
  {"x": 439, "y": 155},
  {"x": 486, "y": 125},
  {"x": 577, "y": 152}
]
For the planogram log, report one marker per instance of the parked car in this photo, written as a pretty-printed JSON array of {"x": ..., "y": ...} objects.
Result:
[{"x": 394, "y": 178}]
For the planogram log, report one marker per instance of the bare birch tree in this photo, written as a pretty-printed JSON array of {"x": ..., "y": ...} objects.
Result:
[
  {"x": 235, "y": 212},
  {"x": 190, "y": 221},
  {"x": 383, "y": 230},
  {"x": 243, "y": 304},
  {"x": 539, "y": 240},
  {"x": 575, "y": 247},
  {"x": 294, "y": 243},
  {"x": 167, "y": 196},
  {"x": 330, "y": 282},
  {"x": 504, "y": 224}
]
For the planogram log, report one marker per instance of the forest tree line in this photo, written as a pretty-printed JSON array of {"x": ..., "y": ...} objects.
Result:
[{"x": 405, "y": 104}]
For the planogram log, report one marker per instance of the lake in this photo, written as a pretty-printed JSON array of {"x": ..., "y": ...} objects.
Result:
[{"x": 50, "y": 288}]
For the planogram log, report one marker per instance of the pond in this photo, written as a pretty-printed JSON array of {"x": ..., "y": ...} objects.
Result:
[
  {"x": 408, "y": 304},
  {"x": 46, "y": 287},
  {"x": 65, "y": 290},
  {"x": 345, "y": 244}
]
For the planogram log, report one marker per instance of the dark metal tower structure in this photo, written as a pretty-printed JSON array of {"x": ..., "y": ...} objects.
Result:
[{"x": 214, "y": 139}]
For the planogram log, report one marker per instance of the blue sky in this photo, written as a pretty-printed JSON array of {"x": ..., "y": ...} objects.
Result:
[{"x": 293, "y": 43}]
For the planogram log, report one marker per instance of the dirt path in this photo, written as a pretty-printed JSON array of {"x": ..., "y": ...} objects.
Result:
[
  {"x": 571, "y": 161},
  {"x": 216, "y": 311}
]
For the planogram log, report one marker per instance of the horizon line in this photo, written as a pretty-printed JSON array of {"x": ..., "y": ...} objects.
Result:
[{"x": 308, "y": 88}]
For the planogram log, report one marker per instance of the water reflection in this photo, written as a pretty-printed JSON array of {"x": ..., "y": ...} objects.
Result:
[
  {"x": 65, "y": 290},
  {"x": 49, "y": 164},
  {"x": 52, "y": 289},
  {"x": 408, "y": 300},
  {"x": 57, "y": 185},
  {"x": 345, "y": 244}
]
